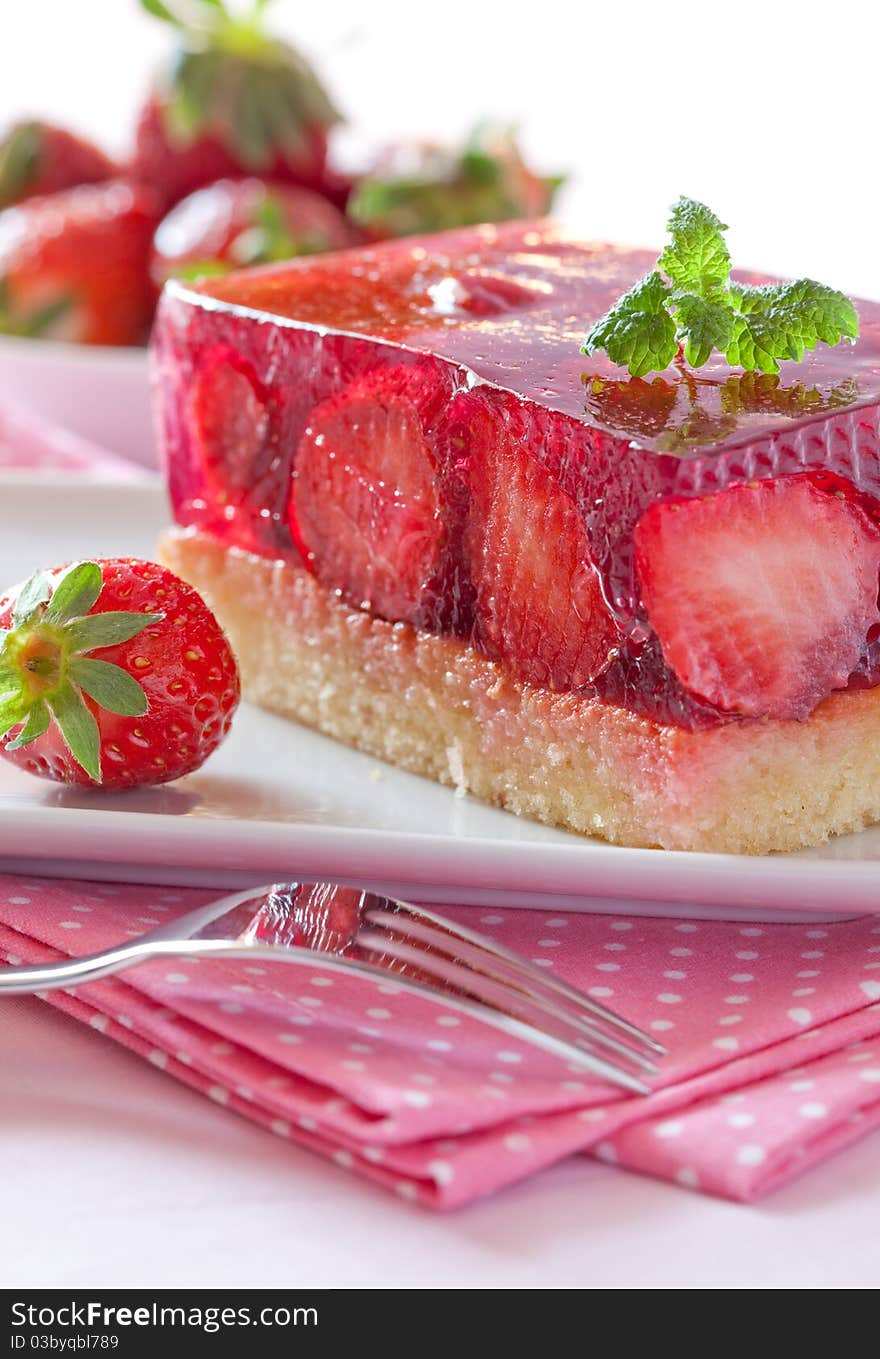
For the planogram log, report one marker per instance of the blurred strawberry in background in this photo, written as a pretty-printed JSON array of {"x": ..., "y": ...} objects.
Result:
[
  {"x": 75, "y": 265},
  {"x": 231, "y": 162},
  {"x": 235, "y": 223},
  {"x": 416, "y": 187},
  {"x": 233, "y": 101},
  {"x": 40, "y": 158}
]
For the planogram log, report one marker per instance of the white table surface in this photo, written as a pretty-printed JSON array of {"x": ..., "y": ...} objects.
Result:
[{"x": 114, "y": 1175}]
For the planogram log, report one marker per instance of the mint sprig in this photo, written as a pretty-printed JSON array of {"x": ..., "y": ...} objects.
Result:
[
  {"x": 45, "y": 668},
  {"x": 688, "y": 307}
]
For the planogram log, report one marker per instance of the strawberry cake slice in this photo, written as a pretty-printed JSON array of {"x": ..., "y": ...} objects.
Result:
[{"x": 639, "y": 608}]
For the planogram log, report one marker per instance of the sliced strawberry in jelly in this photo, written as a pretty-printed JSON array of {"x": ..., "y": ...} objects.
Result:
[
  {"x": 365, "y": 498},
  {"x": 761, "y": 596},
  {"x": 234, "y": 466},
  {"x": 230, "y": 423},
  {"x": 539, "y": 604}
]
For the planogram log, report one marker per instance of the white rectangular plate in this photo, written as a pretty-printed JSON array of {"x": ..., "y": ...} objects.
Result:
[{"x": 278, "y": 800}]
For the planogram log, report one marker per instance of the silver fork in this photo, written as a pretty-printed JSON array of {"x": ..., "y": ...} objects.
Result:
[{"x": 342, "y": 929}]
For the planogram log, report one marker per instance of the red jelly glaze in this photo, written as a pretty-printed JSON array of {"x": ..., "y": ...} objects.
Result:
[{"x": 490, "y": 320}]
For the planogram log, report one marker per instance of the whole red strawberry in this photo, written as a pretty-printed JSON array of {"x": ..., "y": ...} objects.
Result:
[
  {"x": 113, "y": 673},
  {"x": 236, "y": 223},
  {"x": 234, "y": 101},
  {"x": 76, "y": 265},
  {"x": 417, "y": 187},
  {"x": 39, "y": 158}
]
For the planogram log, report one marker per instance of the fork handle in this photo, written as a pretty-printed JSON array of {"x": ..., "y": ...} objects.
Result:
[{"x": 67, "y": 972}]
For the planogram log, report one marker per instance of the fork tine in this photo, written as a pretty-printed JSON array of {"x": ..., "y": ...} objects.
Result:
[
  {"x": 531, "y": 973},
  {"x": 473, "y": 960},
  {"x": 496, "y": 996},
  {"x": 528, "y": 981}
]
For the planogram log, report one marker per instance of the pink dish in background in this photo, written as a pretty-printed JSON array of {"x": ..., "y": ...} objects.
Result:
[{"x": 30, "y": 444}]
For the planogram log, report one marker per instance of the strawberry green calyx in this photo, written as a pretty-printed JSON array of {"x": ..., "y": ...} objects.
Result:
[
  {"x": 433, "y": 188},
  {"x": 38, "y": 323},
  {"x": 46, "y": 669},
  {"x": 267, "y": 240},
  {"x": 19, "y": 157},
  {"x": 234, "y": 81},
  {"x": 270, "y": 239}
]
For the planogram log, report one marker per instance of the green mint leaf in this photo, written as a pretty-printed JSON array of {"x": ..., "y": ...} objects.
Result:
[
  {"x": 78, "y": 728},
  {"x": 696, "y": 258},
  {"x": 703, "y": 326},
  {"x": 38, "y": 721},
  {"x": 820, "y": 313},
  {"x": 830, "y": 312},
  {"x": 75, "y": 593},
  {"x": 782, "y": 320},
  {"x": 107, "y": 629},
  {"x": 33, "y": 593},
  {"x": 758, "y": 343},
  {"x": 13, "y": 709},
  {"x": 109, "y": 685},
  {"x": 754, "y": 328},
  {"x": 638, "y": 333}
]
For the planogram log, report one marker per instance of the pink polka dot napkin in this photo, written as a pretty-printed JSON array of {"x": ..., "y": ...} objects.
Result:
[{"x": 773, "y": 1034}]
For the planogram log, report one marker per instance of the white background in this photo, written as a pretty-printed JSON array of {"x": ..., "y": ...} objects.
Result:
[
  {"x": 767, "y": 111},
  {"x": 112, "y": 1174}
]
